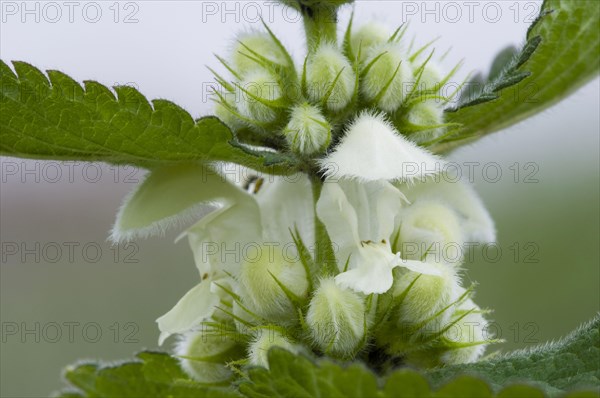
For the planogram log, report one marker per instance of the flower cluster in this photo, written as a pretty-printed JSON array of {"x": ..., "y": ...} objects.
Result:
[
  {"x": 306, "y": 110},
  {"x": 347, "y": 260}
]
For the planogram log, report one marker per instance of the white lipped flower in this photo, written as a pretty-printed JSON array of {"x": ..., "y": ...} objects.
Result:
[
  {"x": 459, "y": 197},
  {"x": 429, "y": 229},
  {"x": 173, "y": 194},
  {"x": 372, "y": 150},
  {"x": 360, "y": 218}
]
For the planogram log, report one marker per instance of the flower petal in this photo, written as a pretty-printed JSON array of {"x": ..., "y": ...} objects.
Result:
[
  {"x": 421, "y": 267},
  {"x": 169, "y": 196},
  {"x": 287, "y": 203},
  {"x": 377, "y": 203},
  {"x": 372, "y": 270},
  {"x": 340, "y": 220},
  {"x": 476, "y": 222},
  {"x": 194, "y": 307},
  {"x": 218, "y": 241},
  {"x": 373, "y": 150}
]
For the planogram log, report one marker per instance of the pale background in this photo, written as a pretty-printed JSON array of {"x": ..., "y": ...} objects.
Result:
[{"x": 164, "y": 54}]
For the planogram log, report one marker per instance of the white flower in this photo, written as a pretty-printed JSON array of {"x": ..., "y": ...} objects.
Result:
[
  {"x": 475, "y": 221},
  {"x": 373, "y": 150},
  {"x": 360, "y": 218},
  {"x": 430, "y": 229},
  {"x": 173, "y": 194}
]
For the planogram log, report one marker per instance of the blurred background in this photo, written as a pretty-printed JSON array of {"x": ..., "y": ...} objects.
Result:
[{"x": 67, "y": 294}]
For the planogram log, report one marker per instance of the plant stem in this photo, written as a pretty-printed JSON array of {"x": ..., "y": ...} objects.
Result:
[
  {"x": 320, "y": 24},
  {"x": 324, "y": 253}
]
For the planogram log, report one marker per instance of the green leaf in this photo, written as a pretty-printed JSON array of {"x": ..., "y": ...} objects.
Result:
[
  {"x": 54, "y": 117},
  {"x": 561, "y": 54},
  {"x": 155, "y": 375},
  {"x": 297, "y": 376},
  {"x": 572, "y": 363}
]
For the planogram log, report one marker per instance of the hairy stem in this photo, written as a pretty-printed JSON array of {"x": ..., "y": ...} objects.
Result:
[{"x": 320, "y": 24}]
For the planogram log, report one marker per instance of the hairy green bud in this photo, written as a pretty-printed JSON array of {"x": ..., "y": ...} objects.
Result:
[
  {"x": 265, "y": 339},
  {"x": 366, "y": 37},
  {"x": 468, "y": 337},
  {"x": 388, "y": 76},
  {"x": 336, "y": 318},
  {"x": 308, "y": 131},
  {"x": 253, "y": 45},
  {"x": 204, "y": 354},
  {"x": 257, "y": 92},
  {"x": 330, "y": 78},
  {"x": 431, "y": 78},
  {"x": 426, "y": 296},
  {"x": 271, "y": 284},
  {"x": 426, "y": 113},
  {"x": 224, "y": 112}
]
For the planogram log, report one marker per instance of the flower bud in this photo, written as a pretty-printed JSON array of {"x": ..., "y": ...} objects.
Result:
[
  {"x": 430, "y": 230},
  {"x": 323, "y": 82},
  {"x": 336, "y": 318},
  {"x": 430, "y": 78},
  {"x": 221, "y": 288},
  {"x": 244, "y": 318},
  {"x": 223, "y": 112},
  {"x": 308, "y": 131},
  {"x": 260, "y": 43},
  {"x": 256, "y": 94},
  {"x": 265, "y": 339},
  {"x": 368, "y": 36},
  {"x": 468, "y": 337},
  {"x": 426, "y": 296},
  {"x": 426, "y": 114},
  {"x": 204, "y": 355},
  {"x": 389, "y": 77},
  {"x": 268, "y": 280}
]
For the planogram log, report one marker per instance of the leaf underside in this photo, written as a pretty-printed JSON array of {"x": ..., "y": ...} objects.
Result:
[{"x": 561, "y": 54}]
